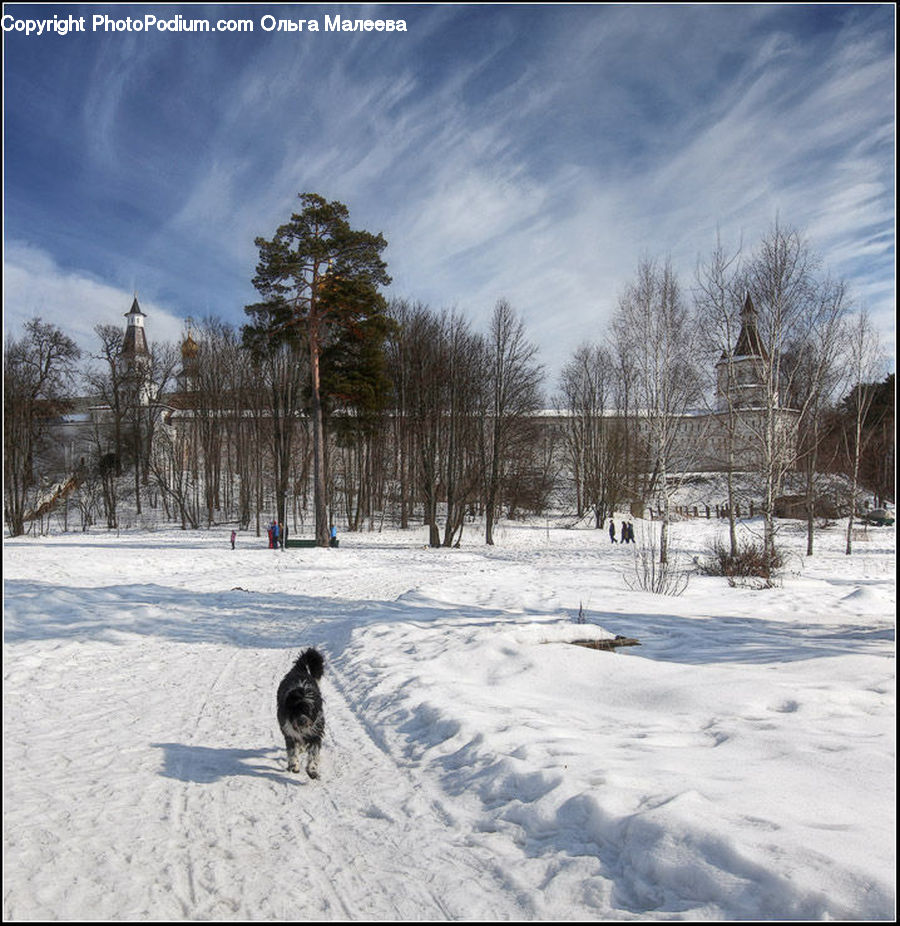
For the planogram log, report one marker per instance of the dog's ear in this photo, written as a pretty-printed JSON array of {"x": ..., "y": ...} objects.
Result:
[{"x": 315, "y": 663}]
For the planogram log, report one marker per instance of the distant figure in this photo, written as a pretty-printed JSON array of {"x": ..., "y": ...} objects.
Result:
[
  {"x": 233, "y": 538},
  {"x": 271, "y": 538},
  {"x": 630, "y": 532},
  {"x": 333, "y": 542},
  {"x": 275, "y": 534},
  {"x": 612, "y": 530},
  {"x": 624, "y": 535}
]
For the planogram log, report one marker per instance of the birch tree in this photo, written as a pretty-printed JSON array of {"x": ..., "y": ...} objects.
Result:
[
  {"x": 864, "y": 368},
  {"x": 795, "y": 306},
  {"x": 813, "y": 370},
  {"x": 718, "y": 297},
  {"x": 655, "y": 327}
]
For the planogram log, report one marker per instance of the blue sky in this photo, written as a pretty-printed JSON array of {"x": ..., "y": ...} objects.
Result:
[{"x": 533, "y": 153}]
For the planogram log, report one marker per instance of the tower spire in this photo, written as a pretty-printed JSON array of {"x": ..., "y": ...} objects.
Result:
[
  {"x": 135, "y": 352},
  {"x": 749, "y": 343},
  {"x": 740, "y": 380}
]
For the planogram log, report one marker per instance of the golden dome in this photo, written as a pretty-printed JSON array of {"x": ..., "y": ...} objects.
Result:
[{"x": 189, "y": 348}]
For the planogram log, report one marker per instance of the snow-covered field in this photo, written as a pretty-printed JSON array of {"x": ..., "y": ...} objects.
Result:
[{"x": 739, "y": 764}]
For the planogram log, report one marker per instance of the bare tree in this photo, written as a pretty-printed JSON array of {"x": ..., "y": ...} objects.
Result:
[
  {"x": 171, "y": 464},
  {"x": 877, "y": 462},
  {"x": 284, "y": 370},
  {"x": 399, "y": 352},
  {"x": 422, "y": 337},
  {"x": 466, "y": 404},
  {"x": 514, "y": 378},
  {"x": 444, "y": 374},
  {"x": 718, "y": 297},
  {"x": 148, "y": 384},
  {"x": 794, "y": 306},
  {"x": 653, "y": 324},
  {"x": 812, "y": 368},
  {"x": 109, "y": 382},
  {"x": 212, "y": 406},
  {"x": 594, "y": 434},
  {"x": 864, "y": 369},
  {"x": 38, "y": 371}
]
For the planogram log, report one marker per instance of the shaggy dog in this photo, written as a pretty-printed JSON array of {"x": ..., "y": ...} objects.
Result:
[{"x": 300, "y": 714}]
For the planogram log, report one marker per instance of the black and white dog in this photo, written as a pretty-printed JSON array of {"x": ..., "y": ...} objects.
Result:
[{"x": 300, "y": 713}]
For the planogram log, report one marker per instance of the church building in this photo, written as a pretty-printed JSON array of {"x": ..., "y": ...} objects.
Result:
[{"x": 706, "y": 440}]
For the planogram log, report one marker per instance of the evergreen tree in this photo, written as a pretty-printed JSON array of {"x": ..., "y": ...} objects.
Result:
[{"x": 319, "y": 279}]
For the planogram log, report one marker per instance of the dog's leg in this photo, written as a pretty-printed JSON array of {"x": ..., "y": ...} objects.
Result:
[
  {"x": 294, "y": 748},
  {"x": 312, "y": 759}
]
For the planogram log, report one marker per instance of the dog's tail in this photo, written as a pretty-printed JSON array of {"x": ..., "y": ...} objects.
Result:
[{"x": 313, "y": 661}]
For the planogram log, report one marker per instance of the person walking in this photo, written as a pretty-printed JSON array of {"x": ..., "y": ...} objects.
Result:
[
  {"x": 623, "y": 536},
  {"x": 612, "y": 530},
  {"x": 275, "y": 535},
  {"x": 630, "y": 532},
  {"x": 233, "y": 538}
]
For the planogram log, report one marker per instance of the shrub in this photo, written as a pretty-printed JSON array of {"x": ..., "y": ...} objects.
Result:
[
  {"x": 650, "y": 575},
  {"x": 749, "y": 563}
]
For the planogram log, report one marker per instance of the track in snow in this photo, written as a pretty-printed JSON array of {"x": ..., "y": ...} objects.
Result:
[{"x": 209, "y": 823}]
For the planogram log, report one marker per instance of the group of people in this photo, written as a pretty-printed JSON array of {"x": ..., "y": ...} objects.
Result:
[
  {"x": 627, "y": 535},
  {"x": 277, "y": 535}
]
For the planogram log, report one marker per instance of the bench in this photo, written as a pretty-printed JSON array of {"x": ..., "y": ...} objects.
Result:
[{"x": 308, "y": 543}]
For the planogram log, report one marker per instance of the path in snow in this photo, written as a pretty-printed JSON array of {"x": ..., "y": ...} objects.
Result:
[{"x": 208, "y": 823}]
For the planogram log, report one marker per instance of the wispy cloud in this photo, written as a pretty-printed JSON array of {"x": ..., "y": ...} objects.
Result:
[
  {"x": 35, "y": 286},
  {"x": 533, "y": 153}
]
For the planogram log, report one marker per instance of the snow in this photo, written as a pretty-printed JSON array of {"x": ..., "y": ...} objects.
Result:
[{"x": 738, "y": 764}]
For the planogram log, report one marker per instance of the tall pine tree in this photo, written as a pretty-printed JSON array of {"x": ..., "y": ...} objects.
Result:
[{"x": 319, "y": 280}]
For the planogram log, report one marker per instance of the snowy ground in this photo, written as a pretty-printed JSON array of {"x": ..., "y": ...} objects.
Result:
[{"x": 739, "y": 764}]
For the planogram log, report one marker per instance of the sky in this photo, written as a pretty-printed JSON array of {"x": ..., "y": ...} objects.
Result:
[{"x": 533, "y": 153}]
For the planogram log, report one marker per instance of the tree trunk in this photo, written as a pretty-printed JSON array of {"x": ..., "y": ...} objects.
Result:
[
  {"x": 318, "y": 441},
  {"x": 853, "y": 484}
]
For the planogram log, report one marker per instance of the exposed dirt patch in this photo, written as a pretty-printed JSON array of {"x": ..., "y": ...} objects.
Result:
[{"x": 608, "y": 645}]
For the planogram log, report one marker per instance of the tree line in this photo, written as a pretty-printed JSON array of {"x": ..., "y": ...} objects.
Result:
[{"x": 334, "y": 404}]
